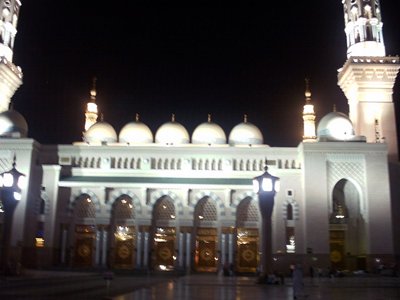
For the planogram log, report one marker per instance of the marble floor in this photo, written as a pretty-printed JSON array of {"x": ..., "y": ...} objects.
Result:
[{"x": 212, "y": 287}]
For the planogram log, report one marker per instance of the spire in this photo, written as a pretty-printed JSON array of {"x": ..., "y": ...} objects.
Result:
[
  {"x": 209, "y": 118},
  {"x": 91, "y": 113},
  {"x": 334, "y": 108},
  {"x": 93, "y": 92},
  {"x": 8, "y": 27},
  {"x": 10, "y": 75},
  {"x": 363, "y": 28},
  {"x": 137, "y": 117},
  {"x": 308, "y": 116},
  {"x": 173, "y": 118},
  {"x": 245, "y": 118}
]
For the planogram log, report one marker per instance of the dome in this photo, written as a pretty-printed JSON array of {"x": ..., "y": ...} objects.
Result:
[
  {"x": 208, "y": 133},
  {"x": 100, "y": 132},
  {"x": 136, "y": 133},
  {"x": 245, "y": 133},
  {"x": 172, "y": 133},
  {"x": 335, "y": 126},
  {"x": 13, "y": 125}
]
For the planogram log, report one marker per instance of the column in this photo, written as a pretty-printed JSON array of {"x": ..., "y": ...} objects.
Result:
[
  {"x": 181, "y": 238},
  {"x": 146, "y": 250},
  {"x": 188, "y": 252},
  {"x": 104, "y": 248},
  {"x": 139, "y": 250}
]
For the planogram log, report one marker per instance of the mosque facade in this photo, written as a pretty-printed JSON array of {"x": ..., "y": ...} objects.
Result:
[{"x": 171, "y": 200}]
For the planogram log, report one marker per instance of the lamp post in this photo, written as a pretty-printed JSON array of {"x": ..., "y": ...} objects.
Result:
[
  {"x": 11, "y": 184},
  {"x": 266, "y": 186}
]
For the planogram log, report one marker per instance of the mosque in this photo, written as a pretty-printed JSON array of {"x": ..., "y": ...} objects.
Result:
[{"x": 171, "y": 200}]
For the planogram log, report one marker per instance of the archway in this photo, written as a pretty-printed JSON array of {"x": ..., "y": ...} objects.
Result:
[
  {"x": 205, "y": 220},
  {"x": 247, "y": 241},
  {"x": 85, "y": 231},
  {"x": 123, "y": 229},
  {"x": 347, "y": 229},
  {"x": 163, "y": 235}
]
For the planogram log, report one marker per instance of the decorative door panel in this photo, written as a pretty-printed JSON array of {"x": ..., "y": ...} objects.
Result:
[
  {"x": 206, "y": 250},
  {"x": 337, "y": 249},
  {"x": 84, "y": 251},
  {"x": 164, "y": 249},
  {"x": 247, "y": 250},
  {"x": 124, "y": 242}
]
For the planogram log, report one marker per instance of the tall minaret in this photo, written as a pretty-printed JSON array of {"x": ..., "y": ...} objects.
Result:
[
  {"x": 91, "y": 112},
  {"x": 367, "y": 78},
  {"x": 10, "y": 74},
  {"x": 309, "y": 116}
]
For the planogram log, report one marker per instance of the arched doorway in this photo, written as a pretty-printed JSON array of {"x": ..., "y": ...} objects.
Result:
[
  {"x": 205, "y": 222},
  {"x": 247, "y": 242},
  {"x": 164, "y": 235},
  {"x": 347, "y": 228},
  {"x": 124, "y": 238},
  {"x": 85, "y": 231}
]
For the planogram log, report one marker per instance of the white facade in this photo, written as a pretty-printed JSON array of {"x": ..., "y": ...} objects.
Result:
[{"x": 185, "y": 202}]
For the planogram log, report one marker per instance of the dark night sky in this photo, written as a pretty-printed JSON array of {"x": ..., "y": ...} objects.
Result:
[{"x": 191, "y": 59}]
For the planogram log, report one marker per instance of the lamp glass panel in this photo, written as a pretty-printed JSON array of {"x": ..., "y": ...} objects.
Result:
[
  {"x": 256, "y": 186},
  {"x": 267, "y": 184},
  {"x": 8, "y": 180},
  {"x": 17, "y": 196},
  {"x": 22, "y": 182}
]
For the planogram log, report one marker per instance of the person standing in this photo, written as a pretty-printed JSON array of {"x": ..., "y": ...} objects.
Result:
[{"x": 298, "y": 283}]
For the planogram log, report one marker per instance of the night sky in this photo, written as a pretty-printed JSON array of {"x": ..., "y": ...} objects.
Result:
[{"x": 191, "y": 59}]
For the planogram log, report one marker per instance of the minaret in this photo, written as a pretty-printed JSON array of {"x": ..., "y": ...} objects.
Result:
[
  {"x": 10, "y": 74},
  {"x": 309, "y": 116},
  {"x": 368, "y": 76},
  {"x": 363, "y": 28},
  {"x": 91, "y": 112}
]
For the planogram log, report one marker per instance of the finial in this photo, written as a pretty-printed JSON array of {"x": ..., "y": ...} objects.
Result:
[
  {"x": 334, "y": 107},
  {"x": 173, "y": 118},
  {"x": 14, "y": 160},
  {"x": 209, "y": 118},
  {"x": 93, "y": 92},
  {"x": 137, "y": 117},
  {"x": 266, "y": 165},
  {"x": 11, "y": 106},
  {"x": 245, "y": 118},
  {"x": 101, "y": 117},
  {"x": 308, "y": 91}
]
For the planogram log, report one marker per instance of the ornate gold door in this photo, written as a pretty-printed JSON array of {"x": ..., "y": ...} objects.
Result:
[
  {"x": 164, "y": 249},
  {"x": 337, "y": 249},
  {"x": 247, "y": 250},
  {"x": 84, "y": 243},
  {"x": 206, "y": 250},
  {"x": 124, "y": 241}
]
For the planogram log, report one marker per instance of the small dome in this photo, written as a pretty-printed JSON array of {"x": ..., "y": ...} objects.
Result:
[
  {"x": 13, "y": 125},
  {"x": 209, "y": 133},
  {"x": 136, "y": 133},
  {"x": 335, "y": 126},
  {"x": 245, "y": 133},
  {"x": 100, "y": 132},
  {"x": 172, "y": 133}
]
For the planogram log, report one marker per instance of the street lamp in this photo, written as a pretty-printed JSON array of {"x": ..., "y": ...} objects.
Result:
[
  {"x": 11, "y": 184},
  {"x": 266, "y": 186}
]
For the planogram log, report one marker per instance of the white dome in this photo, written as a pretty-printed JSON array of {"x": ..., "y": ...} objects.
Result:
[
  {"x": 13, "y": 125},
  {"x": 245, "y": 133},
  {"x": 172, "y": 133},
  {"x": 335, "y": 126},
  {"x": 208, "y": 133},
  {"x": 100, "y": 132},
  {"x": 135, "y": 133}
]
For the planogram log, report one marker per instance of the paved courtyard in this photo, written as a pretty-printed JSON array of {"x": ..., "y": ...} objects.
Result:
[
  {"x": 244, "y": 288},
  {"x": 55, "y": 285}
]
